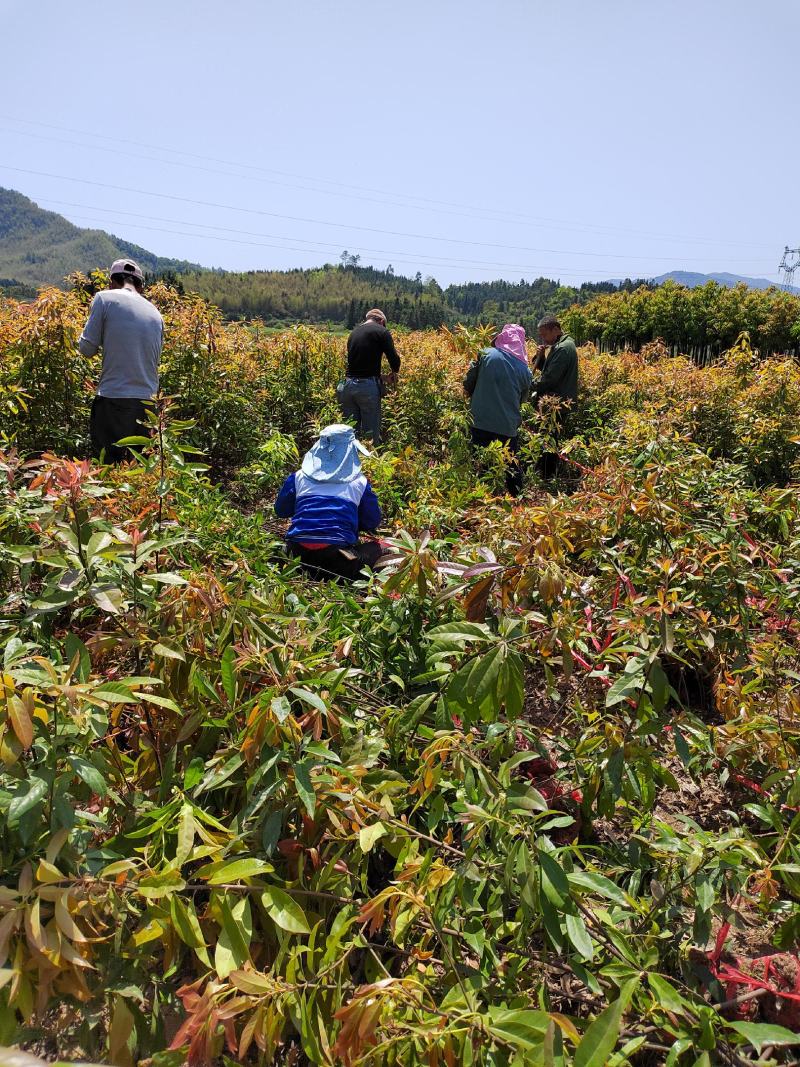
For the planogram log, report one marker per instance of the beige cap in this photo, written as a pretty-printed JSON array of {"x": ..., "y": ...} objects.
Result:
[{"x": 127, "y": 266}]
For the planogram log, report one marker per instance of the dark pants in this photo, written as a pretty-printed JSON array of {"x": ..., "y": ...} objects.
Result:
[
  {"x": 337, "y": 561},
  {"x": 547, "y": 465},
  {"x": 482, "y": 438},
  {"x": 360, "y": 400},
  {"x": 112, "y": 419}
]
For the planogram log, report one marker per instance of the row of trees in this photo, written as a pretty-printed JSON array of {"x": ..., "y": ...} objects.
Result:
[
  {"x": 327, "y": 294},
  {"x": 523, "y": 302},
  {"x": 706, "y": 319},
  {"x": 342, "y": 294}
]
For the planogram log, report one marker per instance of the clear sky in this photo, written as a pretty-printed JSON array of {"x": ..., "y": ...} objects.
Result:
[{"x": 463, "y": 139}]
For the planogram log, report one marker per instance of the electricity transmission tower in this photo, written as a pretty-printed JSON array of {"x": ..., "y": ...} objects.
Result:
[{"x": 788, "y": 265}]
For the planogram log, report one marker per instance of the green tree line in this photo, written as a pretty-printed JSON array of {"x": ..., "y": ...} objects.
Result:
[
  {"x": 707, "y": 318},
  {"x": 342, "y": 294}
]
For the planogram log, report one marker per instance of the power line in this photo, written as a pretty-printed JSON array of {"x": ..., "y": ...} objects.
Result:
[
  {"x": 490, "y": 214},
  {"x": 337, "y": 225},
  {"x": 391, "y": 258},
  {"x": 394, "y": 255}
]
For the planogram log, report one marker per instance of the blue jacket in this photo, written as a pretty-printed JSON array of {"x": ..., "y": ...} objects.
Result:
[
  {"x": 329, "y": 513},
  {"x": 498, "y": 384}
]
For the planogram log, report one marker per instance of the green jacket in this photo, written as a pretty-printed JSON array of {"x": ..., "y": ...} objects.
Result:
[
  {"x": 560, "y": 375},
  {"x": 498, "y": 383}
]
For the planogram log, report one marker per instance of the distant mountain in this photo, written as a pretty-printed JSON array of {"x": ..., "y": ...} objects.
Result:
[
  {"x": 39, "y": 247},
  {"x": 691, "y": 279}
]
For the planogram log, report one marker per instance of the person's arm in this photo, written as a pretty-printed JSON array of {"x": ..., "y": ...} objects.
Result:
[
  {"x": 471, "y": 377},
  {"x": 541, "y": 352},
  {"x": 370, "y": 515},
  {"x": 555, "y": 370},
  {"x": 525, "y": 389},
  {"x": 92, "y": 337},
  {"x": 391, "y": 352},
  {"x": 286, "y": 499}
]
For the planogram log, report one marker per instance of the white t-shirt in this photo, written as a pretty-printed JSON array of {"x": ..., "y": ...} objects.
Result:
[{"x": 130, "y": 331}]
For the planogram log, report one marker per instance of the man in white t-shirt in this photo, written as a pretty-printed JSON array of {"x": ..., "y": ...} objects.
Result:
[{"x": 130, "y": 331}]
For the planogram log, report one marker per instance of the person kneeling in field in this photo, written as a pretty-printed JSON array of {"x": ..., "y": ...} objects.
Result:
[
  {"x": 497, "y": 384},
  {"x": 329, "y": 500}
]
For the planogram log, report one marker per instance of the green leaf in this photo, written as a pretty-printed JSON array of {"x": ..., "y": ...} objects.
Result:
[
  {"x": 163, "y": 884},
  {"x": 167, "y": 578},
  {"x": 187, "y": 925},
  {"x": 665, "y": 993},
  {"x": 35, "y": 793},
  {"x": 705, "y": 892},
  {"x": 186, "y": 829},
  {"x": 368, "y": 835},
  {"x": 228, "y": 673},
  {"x": 554, "y": 881},
  {"x": 760, "y": 1034},
  {"x": 194, "y": 773},
  {"x": 598, "y": 883},
  {"x": 600, "y": 1039},
  {"x": 168, "y": 653},
  {"x": 77, "y": 651},
  {"x": 233, "y": 944},
  {"x": 107, "y": 597},
  {"x": 115, "y": 693},
  {"x": 162, "y": 702},
  {"x": 281, "y": 708},
  {"x": 309, "y": 698},
  {"x": 579, "y": 935},
  {"x": 89, "y": 774},
  {"x": 525, "y": 1029},
  {"x": 234, "y": 870},
  {"x": 626, "y": 685},
  {"x": 475, "y": 687},
  {"x": 200, "y": 684},
  {"x": 284, "y": 911},
  {"x": 305, "y": 790}
]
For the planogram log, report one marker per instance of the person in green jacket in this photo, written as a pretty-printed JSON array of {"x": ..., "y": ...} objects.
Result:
[
  {"x": 497, "y": 384},
  {"x": 559, "y": 379}
]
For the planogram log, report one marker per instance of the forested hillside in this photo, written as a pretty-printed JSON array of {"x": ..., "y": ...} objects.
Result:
[
  {"x": 41, "y": 247},
  {"x": 342, "y": 293},
  {"x": 339, "y": 294}
]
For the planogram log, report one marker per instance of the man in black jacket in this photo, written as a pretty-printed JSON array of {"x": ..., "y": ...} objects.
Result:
[
  {"x": 559, "y": 379},
  {"x": 360, "y": 393}
]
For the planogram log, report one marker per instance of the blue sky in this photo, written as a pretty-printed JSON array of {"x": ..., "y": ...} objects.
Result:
[{"x": 581, "y": 140}]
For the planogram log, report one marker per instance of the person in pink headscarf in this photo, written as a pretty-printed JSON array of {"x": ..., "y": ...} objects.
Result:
[
  {"x": 497, "y": 384},
  {"x": 511, "y": 340}
]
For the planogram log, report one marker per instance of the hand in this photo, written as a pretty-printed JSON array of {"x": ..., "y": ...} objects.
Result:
[{"x": 391, "y": 378}]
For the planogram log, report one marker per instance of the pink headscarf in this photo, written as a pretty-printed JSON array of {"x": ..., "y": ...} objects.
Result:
[{"x": 511, "y": 340}]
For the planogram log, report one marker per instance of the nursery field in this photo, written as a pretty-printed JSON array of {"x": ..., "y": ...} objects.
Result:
[{"x": 528, "y": 796}]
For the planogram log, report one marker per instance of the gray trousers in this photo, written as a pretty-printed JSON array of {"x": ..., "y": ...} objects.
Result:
[{"x": 360, "y": 400}]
